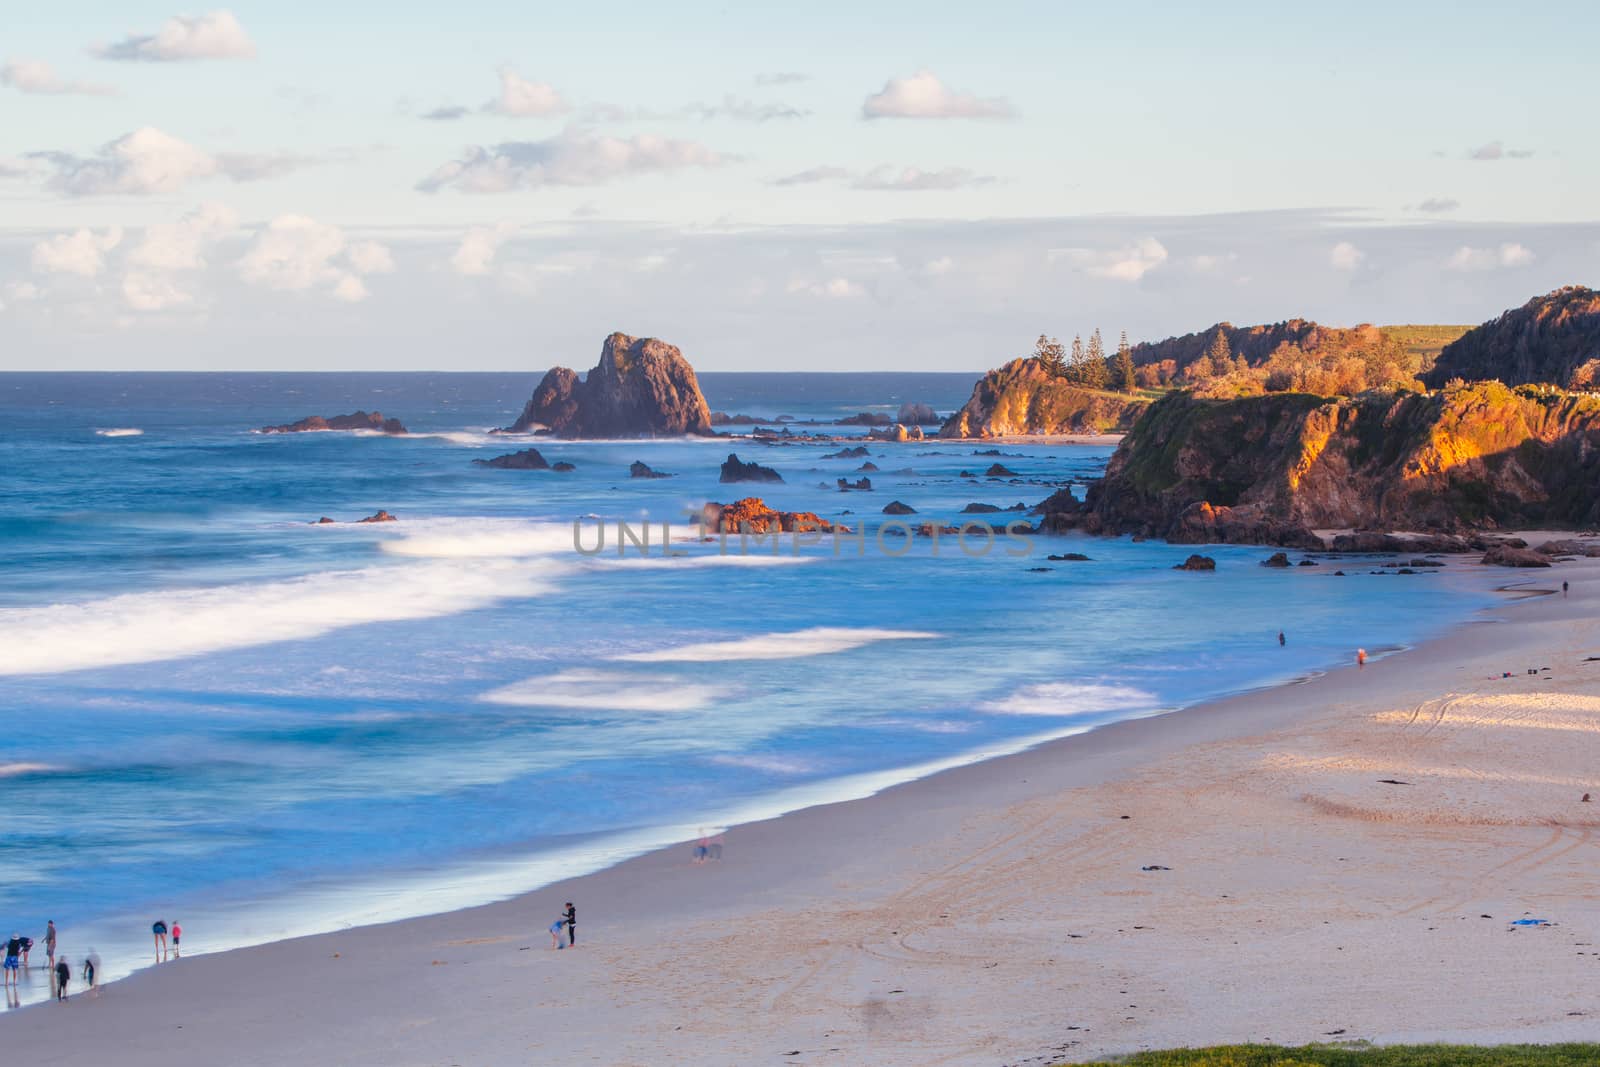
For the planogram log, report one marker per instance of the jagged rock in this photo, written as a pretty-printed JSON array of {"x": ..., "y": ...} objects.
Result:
[
  {"x": 1277, "y": 559},
  {"x": 868, "y": 467},
  {"x": 734, "y": 470},
  {"x": 917, "y": 415},
  {"x": 1022, "y": 397},
  {"x": 752, "y": 515},
  {"x": 642, "y": 387},
  {"x": 562, "y": 466},
  {"x": 999, "y": 470},
  {"x": 360, "y": 420},
  {"x": 894, "y": 507},
  {"x": 979, "y": 509},
  {"x": 380, "y": 516},
  {"x": 528, "y": 459},
  {"x": 863, "y": 484},
  {"x": 640, "y": 469},
  {"x": 1197, "y": 563},
  {"x": 849, "y": 453},
  {"x": 1506, "y": 556}
]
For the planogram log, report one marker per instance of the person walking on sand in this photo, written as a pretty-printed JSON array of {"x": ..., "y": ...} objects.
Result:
[
  {"x": 177, "y": 935},
  {"x": 50, "y": 941},
  {"x": 555, "y": 934},
  {"x": 1563, "y": 590},
  {"x": 1281, "y": 641},
  {"x": 13, "y": 950},
  {"x": 63, "y": 976},
  {"x": 1361, "y": 658},
  {"x": 159, "y": 929},
  {"x": 89, "y": 969}
]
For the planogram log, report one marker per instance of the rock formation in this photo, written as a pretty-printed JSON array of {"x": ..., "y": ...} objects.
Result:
[
  {"x": 894, "y": 507},
  {"x": 379, "y": 516},
  {"x": 751, "y": 515},
  {"x": 528, "y": 459},
  {"x": 917, "y": 415},
  {"x": 642, "y": 387},
  {"x": 1024, "y": 398},
  {"x": 1272, "y": 469},
  {"x": 640, "y": 469},
  {"x": 360, "y": 420},
  {"x": 1553, "y": 339},
  {"x": 735, "y": 470},
  {"x": 1197, "y": 563},
  {"x": 863, "y": 484}
]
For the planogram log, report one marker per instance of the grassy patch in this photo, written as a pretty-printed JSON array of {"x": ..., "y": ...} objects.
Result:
[{"x": 1576, "y": 1055}]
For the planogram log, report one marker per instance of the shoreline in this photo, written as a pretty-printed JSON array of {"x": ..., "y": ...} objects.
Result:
[{"x": 776, "y": 863}]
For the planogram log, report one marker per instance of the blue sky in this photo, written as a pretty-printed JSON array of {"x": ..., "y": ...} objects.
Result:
[{"x": 818, "y": 186}]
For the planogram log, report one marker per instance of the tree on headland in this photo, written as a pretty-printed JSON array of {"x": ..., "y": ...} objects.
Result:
[
  {"x": 1123, "y": 374},
  {"x": 1219, "y": 354},
  {"x": 1051, "y": 356}
]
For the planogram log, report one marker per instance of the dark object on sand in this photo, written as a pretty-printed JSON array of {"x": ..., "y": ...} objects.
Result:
[
  {"x": 1155, "y": 867},
  {"x": 1393, "y": 781},
  {"x": 1585, "y": 799}
]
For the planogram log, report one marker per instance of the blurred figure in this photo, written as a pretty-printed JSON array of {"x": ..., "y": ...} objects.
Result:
[
  {"x": 27, "y": 946},
  {"x": 50, "y": 941},
  {"x": 177, "y": 934},
  {"x": 714, "y": 849},
  {"x": 13, "y": 960},
  {"x": 159, "y": 930},
  {"x": 91, "y": 965},
  {"x": 701, "y": 847},
  {"x": 1281, "y": 641},
  {"x": 1361, "y": 658},
  {"x": 571, "y": 918},
  {"x": 555, "y": 934},
  {"x": 63, "y": 975}
]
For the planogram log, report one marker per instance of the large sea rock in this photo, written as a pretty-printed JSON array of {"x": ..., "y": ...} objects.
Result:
[
  {"x": 1024, "y": 398},
  {"x": 359, "y": 420},
  {"x": 642, "y": 387}
]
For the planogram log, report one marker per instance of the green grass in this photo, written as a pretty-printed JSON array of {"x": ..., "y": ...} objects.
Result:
[
  {"x": 1424, "y": 342},
  {"x": 1585, "y": 1055}
]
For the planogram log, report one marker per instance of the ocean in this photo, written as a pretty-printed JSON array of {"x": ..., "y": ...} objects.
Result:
[{"x": 219, "y": 712}]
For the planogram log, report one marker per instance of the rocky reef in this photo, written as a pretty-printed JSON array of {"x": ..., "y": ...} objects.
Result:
[
  {"x": 528, "y": 459},
  {"x": 1273, "y": 469},
  {"x": 752, "y": 515},
  {"x": 642, "y": 387},
  {"x": 640, "y": 469},
  {"x": 1553, "y": 339},
  {"x": 735, "y": 469},
  {"x": 1024, "y": 398},
  {"x": 359, "y": 420}
]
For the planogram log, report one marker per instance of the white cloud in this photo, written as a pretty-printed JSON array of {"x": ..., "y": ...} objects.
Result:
[
  {"x": 149, "y": 291},
  {"x": 176, "y": 246},
  {"x": 1126, "y": 264},
  {"x": 1509, "y": 254},
  {"x": 573, "y": 157},
  {"x": 522, "y": 98},
  {"x": 255, "y": 166},
  {"x": 1345, "y": 256},
  {"x": 81, "y": 252},
  {"x": 1497, "y": 150},
  {"x": 935, "y": 268},
  {"x": 217, "y": 35},
  {"x": 295, "y": 253},
  {"x": 149, "y": 161},
  {"x": 1209, "y": 262},
  {"x": 479, "y": 245},
  {"x": 1438, "y": 205},
  {"x": 742, "y": 110},
  {"x": 924, "y": 96},
  {"x": 832, "y": 289},
  {"x": 911, "y": 179},
  {"x": 37, "y": 76},
  {"x": 813, "y": 175}
]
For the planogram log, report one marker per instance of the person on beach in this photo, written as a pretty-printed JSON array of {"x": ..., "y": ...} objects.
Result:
[
  {"x": 1281, "y": 641},
  {"x": 555, "y": 934},
  {"x": 1361, "y": 658},
  {"x": 702, "y": 847},
  {"x": 159, "y": 929},
  {"x": 50, "y": 941},
  {"x": 571, "y": 919},
  {"x": 13, "y": 951},
  {"x": 27, "y": 947},
  {"x": 714, "y": 849},
  {"x": 177, "y": 934},
  {"x": 89, "y": 968},
  {"x": 1563, "y": 589},
  {"x": 63, "y": 976}
]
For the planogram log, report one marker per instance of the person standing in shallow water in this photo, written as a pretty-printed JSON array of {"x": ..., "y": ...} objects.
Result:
[
  {"x": 63, "y": 976},
  {"x": 13, "y": 950},
  {"x": 177, "y": 935},
  {"x": 571, "y": 919},
  {"x": 1281, "y": 641},
  {"x": 1361, "y": 658},
  {"x": 50, "y": 941},
  {"x": 159, "y": 930}
]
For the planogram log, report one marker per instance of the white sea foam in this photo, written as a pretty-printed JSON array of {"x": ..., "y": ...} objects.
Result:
[
  {"x": 770, "y": 764},
  {"x": 795, "y": 644},
  {"x": 121, "y": 431},
  {"x": 481, "y": 539},
  {"x": 13, "y": 770},
  {"x": 1065, "y": 699},
  {"x": 147, "y": 627},
  {"x": 585, "y": 690}
]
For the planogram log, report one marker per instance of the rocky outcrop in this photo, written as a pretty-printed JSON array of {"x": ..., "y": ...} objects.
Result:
[
  {"x": 359, "y": 420},
  {"x": 528, "y": 459},
  {"x": 848, "y": 453},
  {"x": 1570, "y": 546},
  {"x": 379, "y": 516},
  {"x": 562, "y": 467},
  {"x": 640, "y": 469},
  {"x": 999, "y": 470},
  {"x": 976, "y": 508},
  {"x": 751, "y": 515},
  {"x": 722, "y": 418},
  {"x": 1552, "y": 339},
  {"x": 736, "y": 470},
  {"x": 862, "y": 484},
  {"x": 642, "y": 387},
  {"x": 917, "y": 415},
  {"x": 1197, "y": 563},
  {"x": 865, "y": 418},
  {"x": 897, "y": 432},
  {"x": 894, "y": 507},
  {"x": 1272, "y": 469},
  {"x": 1277, "y": 559},
  {"x": 1506, "y": 556},
  {"x": 1024, "y": 398}
]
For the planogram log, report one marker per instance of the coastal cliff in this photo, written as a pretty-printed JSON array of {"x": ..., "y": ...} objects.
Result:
[
  {"x": 1271, "y": 469},
  {"x": 642, "y": 387},
  {"x": 1553, "y": 339},
  {"x": 1022, "y": 397}
]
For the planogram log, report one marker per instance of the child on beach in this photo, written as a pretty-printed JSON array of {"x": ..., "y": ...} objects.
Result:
[
  {"x": 555, "y": 934},
  {"x": 177, "y": 933}
]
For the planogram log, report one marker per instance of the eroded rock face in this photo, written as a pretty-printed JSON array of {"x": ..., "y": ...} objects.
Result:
[
  {"x": 736, "y": 470},
  {"x": 359, "y": 420},
  {"x": 752, "y": 515},
  {"x": 528, "y": 459},
  {"x": 642, "y": 387},
  {"x": 1553, "y": 339},
  {"x": 1024, "y": 398}
]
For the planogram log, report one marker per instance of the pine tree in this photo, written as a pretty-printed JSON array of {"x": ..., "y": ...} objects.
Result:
[
  {"x": 1051, "y": 356},
  {"x": 1221, "y": 358},
  {"x": 1123, "y": 373},
  {"x": 1095, "y": 370},
  {"x": 1076, "y": 360}
]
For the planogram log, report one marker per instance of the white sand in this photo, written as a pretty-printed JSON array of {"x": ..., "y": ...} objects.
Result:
[{"x": 998, "y": 913}]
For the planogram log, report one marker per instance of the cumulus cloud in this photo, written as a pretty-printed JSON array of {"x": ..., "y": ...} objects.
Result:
[
  {"x": 1497, "y": 150},
  {"x": 1128, "y": 263},
  {"x": 924, "y": 96},
  {"x": 257, "y": 166},
  {"x": 479, "y": 246},
  {"x": 1345, "y": 256},
  {"x": 181, "y": 245},
  {"x": 1508, "y": 254},
  {"x": 573, "y": 157},
  {"x": 294, "y": 253},
  {"x": 217, "y": 35},
  {"x": 36, "y": 76},
  {"x": 1438, "y": 205},
  {"x": 149, "y": 161},
  {"x": 521, "y": 98},
  {"x": 82, "y": 252},
  {"x": 145, "y": 291}
]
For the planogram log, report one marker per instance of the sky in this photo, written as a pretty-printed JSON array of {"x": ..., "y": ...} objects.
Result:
[{"x": 821, "y": 186}]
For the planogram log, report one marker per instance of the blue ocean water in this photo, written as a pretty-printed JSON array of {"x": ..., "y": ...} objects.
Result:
[{"x": 217, "y": 711}]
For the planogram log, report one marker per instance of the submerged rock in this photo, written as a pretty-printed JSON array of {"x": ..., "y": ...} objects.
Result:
[
  {"x": 528, "y": 459},
  {"x": 360, "y": 420}
]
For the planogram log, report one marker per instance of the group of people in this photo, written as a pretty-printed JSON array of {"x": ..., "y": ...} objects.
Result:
[
  {"x": 568, "y": 922},
  {"x": 17, "y": 950},
  {"x": 159, "y": 929}
]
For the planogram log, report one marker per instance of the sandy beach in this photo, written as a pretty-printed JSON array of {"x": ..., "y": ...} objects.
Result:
[{"x": 1337, "y": 859}]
